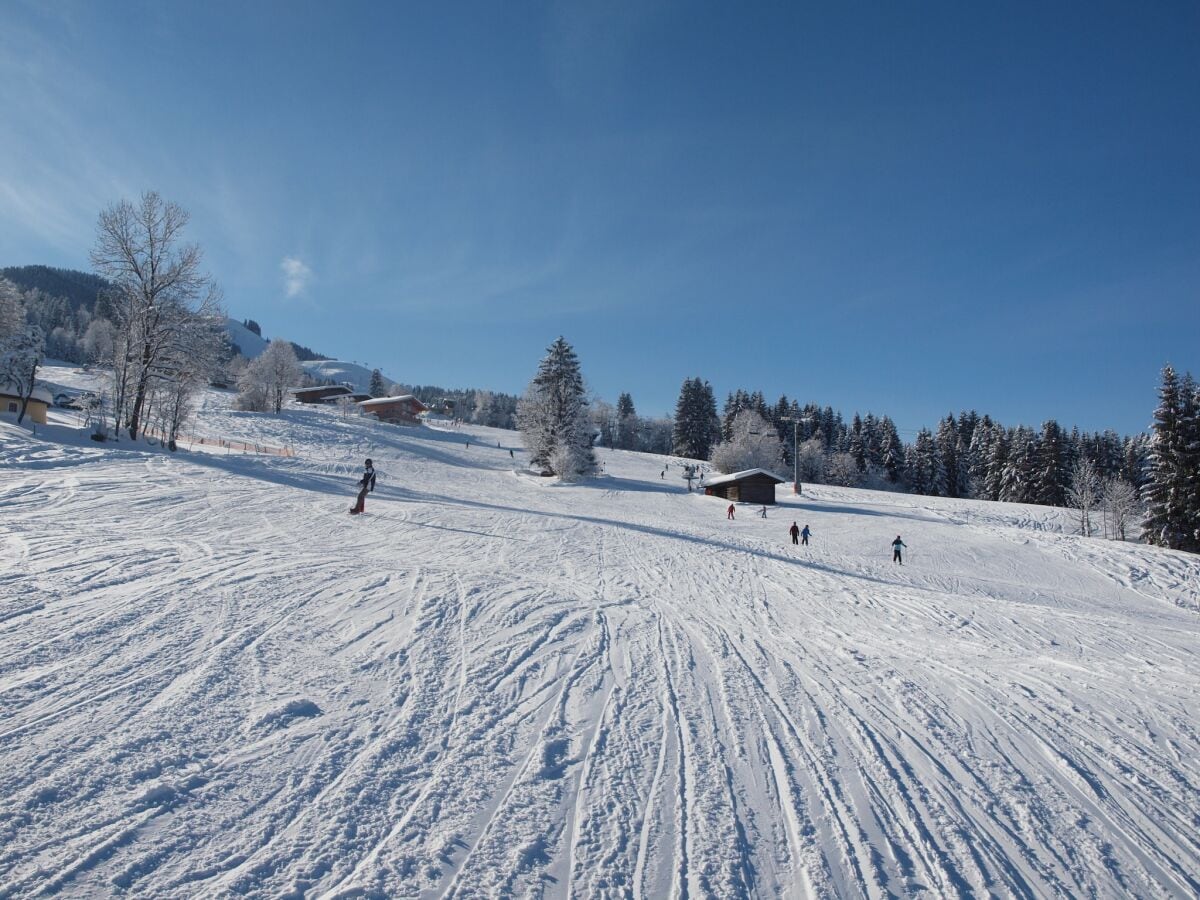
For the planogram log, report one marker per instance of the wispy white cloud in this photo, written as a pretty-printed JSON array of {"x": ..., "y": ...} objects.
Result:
[{"x": 296, "y": 275}]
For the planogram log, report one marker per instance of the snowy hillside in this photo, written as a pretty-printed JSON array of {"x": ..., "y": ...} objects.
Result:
[
  {"x": 249, "y": 343},
  {"x": 342, "y": 373},
  {"x": 214, "y": 681}
]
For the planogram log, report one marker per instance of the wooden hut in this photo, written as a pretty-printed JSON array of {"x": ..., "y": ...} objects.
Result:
[
  {"x": 325, "y": 393},
  {"x": 39, "y": 401},
  {"x": 750, "y": 486},
  {"x": 401, "y": 410}
]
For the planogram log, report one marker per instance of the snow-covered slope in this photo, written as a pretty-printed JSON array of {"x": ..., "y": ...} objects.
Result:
[
  {"x": 246, "y": 340},
  {"x": 214, "y": 682},
  {"x": 342, "y": 373}
]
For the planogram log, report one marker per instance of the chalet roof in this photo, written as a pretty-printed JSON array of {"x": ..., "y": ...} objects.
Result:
[
  {"x": 8, "y": 389},
  {"x": 385, "y": 401},
  {"x": 738, "y": 476},
  {"x": 336, "y": 388}
]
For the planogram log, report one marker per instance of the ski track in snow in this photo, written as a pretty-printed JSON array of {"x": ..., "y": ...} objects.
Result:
[{"x": 215, "y": 682}]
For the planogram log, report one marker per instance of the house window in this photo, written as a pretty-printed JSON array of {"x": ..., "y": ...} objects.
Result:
[{"x": 12, "y": 406}]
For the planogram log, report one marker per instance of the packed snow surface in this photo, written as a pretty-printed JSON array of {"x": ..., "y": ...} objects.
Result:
[{"x": 215, "y": 682}]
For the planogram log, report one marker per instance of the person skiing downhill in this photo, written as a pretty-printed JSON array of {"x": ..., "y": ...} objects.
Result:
[
  {"x": 729, "y": 512},
  {"x": 804, "y": 536},
  {"x": 794, "y": 531},
  {"x": 366, "y": 485},
  {"x": 897, "y": 546}
]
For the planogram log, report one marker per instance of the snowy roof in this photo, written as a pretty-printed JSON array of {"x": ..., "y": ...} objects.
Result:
[
  {"x": 384, "y": 401},
  {"x": 738, "y": 476},
  {"x": 336, "y": 388},
  {"x": 8, "y": 389}
]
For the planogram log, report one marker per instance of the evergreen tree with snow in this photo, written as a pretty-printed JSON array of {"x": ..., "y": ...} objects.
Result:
[
  {"x": 1018, "y": 483},
  {"x": 553, "y": 416},
  {"x": 627, "y": 423},
  {"x": 377, "y": 388},
  {"x": 891, "y": 451},
  {"x": 947, "y": 448},
  {"x": 924, "y": 470},
  {"x": 697, "y": 427},
  {"x": 1173, "y": 490},
  {"x": 1052, "y": 466}
]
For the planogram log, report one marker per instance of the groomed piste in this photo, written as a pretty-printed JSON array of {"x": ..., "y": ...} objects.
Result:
[{"x": 215, "y": 682}]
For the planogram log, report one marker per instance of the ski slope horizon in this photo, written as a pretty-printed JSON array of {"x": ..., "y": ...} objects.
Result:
[{"x": 215, "y": 681}]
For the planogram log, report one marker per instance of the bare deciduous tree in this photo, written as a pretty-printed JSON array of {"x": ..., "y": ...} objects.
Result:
[
  {"x": 265, "y": 382},
  {"x": 158, "y": 288},
  {"x": 1083, "y": 491},
  {"x": 1120, "y": 505}
]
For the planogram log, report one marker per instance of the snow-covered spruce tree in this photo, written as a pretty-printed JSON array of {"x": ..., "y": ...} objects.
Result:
[
  {"x": 377, "y": 387},
  {"x": 947, "y": 448},
  {"x": 754, "y": 444},
  {"x": 627, "y": 423},
  {"x": 265, "y": 382},
  {"x": 157, "y": 287},
  {"x": 891, "y": 451},
  {"x": 924, "y": 465},
  {"x": 1173, "y": 519},
  {"x": 12, "y": 310},
  {"x": 553, "y": 416},
  {"x": 697, "y": 427},
  {"x": 20, "y": 356}
]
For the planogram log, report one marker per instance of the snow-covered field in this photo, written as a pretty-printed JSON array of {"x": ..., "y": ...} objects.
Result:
[{"x": 214, "y": 681}]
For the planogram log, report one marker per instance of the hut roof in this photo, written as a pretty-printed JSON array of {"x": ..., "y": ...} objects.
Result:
[
  {"x": 8, "y": 389},
  {"x": 738, "y": 476}
]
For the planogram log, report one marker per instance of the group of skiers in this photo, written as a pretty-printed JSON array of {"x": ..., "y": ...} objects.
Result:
[{"x": 799, "y": 535}]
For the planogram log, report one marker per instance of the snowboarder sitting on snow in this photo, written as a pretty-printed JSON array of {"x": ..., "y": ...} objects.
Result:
[
  {"x": 729, "y": 512},
  {"x": 804, "y": 536},
  {"x": 897, "y": 545},
  {"x": 794, "y": 531},
  {"x": 366, "y": 484}
]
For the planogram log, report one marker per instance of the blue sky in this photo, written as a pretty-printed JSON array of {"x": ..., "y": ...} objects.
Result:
[{"x": 904, "y": 208}]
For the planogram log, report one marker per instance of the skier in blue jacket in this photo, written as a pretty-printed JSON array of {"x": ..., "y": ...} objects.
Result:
[{"x": 897, "y": 546}]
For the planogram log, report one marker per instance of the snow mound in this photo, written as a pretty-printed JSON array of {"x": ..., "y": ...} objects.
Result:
[
  {"x": 250, "y": 344},
  {"x": 341, "y": 372}
]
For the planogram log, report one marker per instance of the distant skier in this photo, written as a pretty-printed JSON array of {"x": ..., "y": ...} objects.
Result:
[
  {"x": 804, "y": 536},
  {"x": 897, "y": 546},
  {"x": 794, "y": 531},
  {"x": 764, "y": 511},
  {"x": 510, "y": 455},
  {"x": 729, "y": 512},
  {"x": 366, "y": 485}
]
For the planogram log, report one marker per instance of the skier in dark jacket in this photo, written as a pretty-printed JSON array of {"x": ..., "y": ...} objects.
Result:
[
  {"x": 897, "y": 546},
  {"x": 804, "y": 536},
  {"x": 794, "y": 531},
  {"x": 366, "y": 485}
]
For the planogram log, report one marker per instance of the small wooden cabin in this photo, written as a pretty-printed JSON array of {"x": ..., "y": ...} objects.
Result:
[
  {"x": 39, "y": 401},
  {"x": 325, "y": 393},
  {"x": 401, "y": 410},
  {"x": 751, "y": 486}
]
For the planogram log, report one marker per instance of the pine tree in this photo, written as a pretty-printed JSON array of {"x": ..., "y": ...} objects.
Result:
[
  {"x": 1173, "y": 490},
  {"x": 1052, "y": 466},
  {"x": 696, "y": 424},
  {"x": 553, "y": 415},
  {"x": 947, "y": 448},
  {"x": 377, "y": 387},
  {"x": 924, "y": 465},
  {"x": 857, "y": 446},
  {"x": 627, "y": 423},
  {"x": 891, "y": 451}
]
